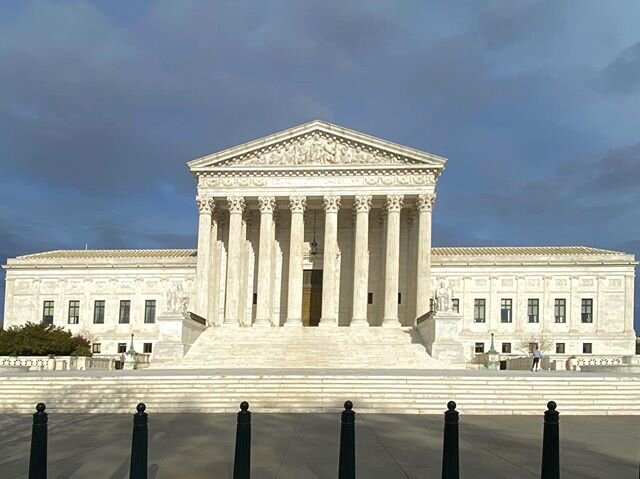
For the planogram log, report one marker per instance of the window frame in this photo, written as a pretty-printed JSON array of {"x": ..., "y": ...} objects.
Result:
[
  {"x": 588, "y": 346},
  {"x": 98, "y": 311},
  {"x": 144, "y": 348},
  {"x": 96, "y": 348},
  {"x": 533, "y": 304},
  {"x": 125, "y": 307},
  {"x": 586, "y": 310},
  {"x": 506, "y": 305},
  {"x": 455, "y": 305},
  {"x": 508, "y": 347},
  {"x": 46, "y": 305},
  {"x": 149, "y": 311},
  {"x": 560, "y": 304},
  {"x": 74, "y": 306},
  {"x": 479, "y": 310},
  {"x": 478, "y": 348},
  {"x": 561, "y": 346},
  {"x": 121, "y": 348}
]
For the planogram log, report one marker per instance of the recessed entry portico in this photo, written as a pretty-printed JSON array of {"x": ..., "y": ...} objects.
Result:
[{"x": 366, "y": 202}]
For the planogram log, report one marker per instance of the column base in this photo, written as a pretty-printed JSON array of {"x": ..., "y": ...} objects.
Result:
[
  {"x": 328, "y": 323},
  {"x": 293, "y": 323},
  {"x": 359, "y": 323},
  {"x": 262, "y": 323},
  {"x": 390, "y": 323},
  {"x": 231, "y": 324}
]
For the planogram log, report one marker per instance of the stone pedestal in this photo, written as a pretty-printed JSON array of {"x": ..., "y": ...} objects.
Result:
[
  {"x": 176, "y": 335},
  {"x": 440, "y": 333}
]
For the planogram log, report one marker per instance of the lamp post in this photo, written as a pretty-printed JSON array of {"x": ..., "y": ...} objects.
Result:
[{"x": 493, "y": 357}]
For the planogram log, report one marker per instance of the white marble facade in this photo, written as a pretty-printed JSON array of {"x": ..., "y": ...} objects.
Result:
[{"x": 367, "y": 204}]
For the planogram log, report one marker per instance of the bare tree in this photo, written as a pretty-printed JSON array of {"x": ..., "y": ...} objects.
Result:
[{"x": 543, "y": 342}]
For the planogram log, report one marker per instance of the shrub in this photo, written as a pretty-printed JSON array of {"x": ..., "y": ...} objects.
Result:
[{"x": 38, "y": 339}]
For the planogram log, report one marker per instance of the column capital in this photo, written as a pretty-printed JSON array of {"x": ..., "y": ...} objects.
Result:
[
  {"x": 425, "y": 202},
  {"x": 394, "y": 203},
  {"x": 236, "y": 204},
  {"x": 362, "y": 203},
  {"x": 297, "y": 204},
  {"x": 331, "y": 203},
  {"x": 267, "y": 204},
  {"x": 205, "y": 204}
]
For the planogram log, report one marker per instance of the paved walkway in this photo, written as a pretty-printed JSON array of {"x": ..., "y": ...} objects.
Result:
[{"x": 305, "y": 446}]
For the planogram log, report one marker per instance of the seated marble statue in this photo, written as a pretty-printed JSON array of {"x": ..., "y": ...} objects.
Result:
[{"x": 443, "y": 297}]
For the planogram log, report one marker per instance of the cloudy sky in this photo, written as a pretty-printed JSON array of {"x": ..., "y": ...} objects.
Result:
[{"x": 535, "y": 103}]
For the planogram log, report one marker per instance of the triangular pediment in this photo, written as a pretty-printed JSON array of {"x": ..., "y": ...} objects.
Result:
[{"x": 317, "y": 144}]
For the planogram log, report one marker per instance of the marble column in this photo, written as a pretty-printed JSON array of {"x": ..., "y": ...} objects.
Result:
[
  {"x": 330, "y": 259},
  {"x": 203, "y": 267},
  {"x": 214, "y": 276},
  {"x": 362, "y": 206},
  {"x": 294, "y": 294},
  {"x": 265, "y": 271},
  {"x": 236, "y": 243},
  {"x": 423, "y": 270},
  {"x": 393, "y": 207}
]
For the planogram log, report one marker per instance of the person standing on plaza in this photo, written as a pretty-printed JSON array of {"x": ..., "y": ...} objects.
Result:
[{"x": 537, "y": 355}]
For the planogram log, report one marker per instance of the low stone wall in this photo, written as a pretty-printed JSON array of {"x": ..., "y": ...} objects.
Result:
[{"x": 59, "y": 363}]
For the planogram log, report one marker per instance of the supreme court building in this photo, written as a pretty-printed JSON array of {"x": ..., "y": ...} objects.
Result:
[{"x": 321, "y": 226}]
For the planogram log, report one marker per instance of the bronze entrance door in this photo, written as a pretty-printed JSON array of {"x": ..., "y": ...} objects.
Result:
[{"x": 311, "y": 297}]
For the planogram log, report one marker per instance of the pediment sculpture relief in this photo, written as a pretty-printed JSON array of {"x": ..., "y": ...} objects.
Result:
[{"x": 318, "y": 149}]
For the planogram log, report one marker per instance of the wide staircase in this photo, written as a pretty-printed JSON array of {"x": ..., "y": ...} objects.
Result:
[
  {"x": 317, "y": 347},
  {"x": 271, "y": 390}
]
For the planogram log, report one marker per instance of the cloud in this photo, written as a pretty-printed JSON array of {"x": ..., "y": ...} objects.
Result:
[{"x": 622, "y": 75}]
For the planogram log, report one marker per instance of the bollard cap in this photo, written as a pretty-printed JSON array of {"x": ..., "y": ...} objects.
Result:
[
  {"x": 40, "y": 407},
  {"x": 551, "y": 405},
  {"x": 451, "y": 406},
  {"x": 141, "y": 407},
  {"x": 244, "y": 406},
  {"x": 348, "y": 405}
]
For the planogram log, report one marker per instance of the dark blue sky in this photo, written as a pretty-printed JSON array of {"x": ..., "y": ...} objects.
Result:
[{"x": 535, "y": 103}]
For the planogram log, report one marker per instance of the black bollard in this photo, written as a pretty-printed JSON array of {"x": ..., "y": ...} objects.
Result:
[
  {"x": 139, "y": 443},
  {"x": 347, "y": 465},
  {"x": 450, "y": 447},
  {"x": 242, "y": 461},
  {"x": 38, "y": 457},
  {"x": 551, "y": 443}
]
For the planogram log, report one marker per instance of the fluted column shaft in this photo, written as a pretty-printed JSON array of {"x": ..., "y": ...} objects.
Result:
[
  {"x": 392, "y": 262},
  {"x": 423, "y": 270},
  {"x": 236, "y": 243},
  {"x": 263, "y": 309},
  {"x": 214, "y": 274},
  {"x": 362, "y": 207},
  {"x": 294, "y": 293},
  {"x": 203, "y": 267},
  {"x": 330, "y": 262}
]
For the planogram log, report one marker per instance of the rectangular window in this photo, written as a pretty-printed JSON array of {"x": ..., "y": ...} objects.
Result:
[
  {"x": 147, "y": 347},
  {"x": 479, "y": 310},
  {"x": 369, "y": 298},
  {"x": 586, "y": 348},
  {"x": 587, "y": 311},
  {"x": 98, "y": 312},
  {"x": 532, "y": 346},
  {"x": 506, "y": 348},
  {"x": 533, "y": 306},
  {"x": 506, "y": 308},
  {"x": 150, "y": 311},
  {"x": 74, "y": 312},
  {"x": 95, "y": 348},
  {"x": 479, "y": 347},
  {"x": 560, "y": 348},
  {"x": 122, "y": 348},
  {"x": 455, "y": 305},
  {"x": 125, "y": 311},
  {"x": 47, "y": 312},
  {"x": 560, "y": 310}
]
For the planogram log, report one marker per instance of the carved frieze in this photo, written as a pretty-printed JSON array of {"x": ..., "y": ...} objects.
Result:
[{"x": 318, "y": 149}]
